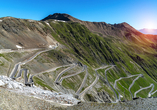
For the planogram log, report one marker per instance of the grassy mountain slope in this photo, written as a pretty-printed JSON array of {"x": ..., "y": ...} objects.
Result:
[{"x": 132, "y": 55}]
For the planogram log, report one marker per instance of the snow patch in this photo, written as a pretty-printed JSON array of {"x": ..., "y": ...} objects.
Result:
[
  {"x": 2, "y": 83},
  {"x": 1, "y": 20},
  {"x": 50, "y": 46},
  {"x": 121, "y": 96},
  {"x": 31, "y": 20},
  {"x": 53, "y": 46},
  {"x": 19, "y": 47},
  {"x": 47, "y": 23},
  {"x": 60, "y": 20},
  {"x": 14, "y": 86}
]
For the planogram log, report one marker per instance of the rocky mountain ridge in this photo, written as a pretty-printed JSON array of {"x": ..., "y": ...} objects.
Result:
[
  {"x": 14, "y": 31},
  {"x": 23, "y": 32},
  {"x": 99, "y": 27},
  {"x": 107, "y": 64}
]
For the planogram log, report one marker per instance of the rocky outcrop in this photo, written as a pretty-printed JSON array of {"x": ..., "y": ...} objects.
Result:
[
  {"x": 102, "y": 97},
  {"x": 59, "y": 16}
]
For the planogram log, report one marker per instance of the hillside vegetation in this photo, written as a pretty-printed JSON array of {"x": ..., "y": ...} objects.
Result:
[{"x": 126, "y": 56}]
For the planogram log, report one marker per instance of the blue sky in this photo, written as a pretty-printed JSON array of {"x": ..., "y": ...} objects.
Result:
[{"x": 138, "y": 13}]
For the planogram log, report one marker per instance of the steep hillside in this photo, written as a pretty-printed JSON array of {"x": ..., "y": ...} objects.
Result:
[
  {"x": 96, "y": 51},
  {"x": 119, "y": 66},
  {"x": 101, "y": 28},
  {"x": 104, "y": 29},
  {"x": 24, "y": 33}
]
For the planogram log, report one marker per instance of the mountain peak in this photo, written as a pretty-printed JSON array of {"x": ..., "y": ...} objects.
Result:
[
  {"x": 100, "y": 27},
  {"x": 126, "y": 27},
  {"x": 59, "y": 16},
  {"x": 64, "y": 14}
]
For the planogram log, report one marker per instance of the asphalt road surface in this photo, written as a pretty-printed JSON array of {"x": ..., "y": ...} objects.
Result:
[{"x": 140, "y": 75}]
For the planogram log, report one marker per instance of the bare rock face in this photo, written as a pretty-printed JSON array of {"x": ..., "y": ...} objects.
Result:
[
  {"x": 58, "y": 16},
  {"x": 25, "y": 33},
  {"x": 102, "y": 97}
]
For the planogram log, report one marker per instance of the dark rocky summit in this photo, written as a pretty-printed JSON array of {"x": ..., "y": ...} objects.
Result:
[{"x": 58, "y": 16}]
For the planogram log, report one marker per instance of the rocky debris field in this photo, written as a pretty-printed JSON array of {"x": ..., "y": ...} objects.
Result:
[
  {"x": 16, "y": 101},
  {"x": 20, "y": 88},
  {"x": 139, "y": 104}
]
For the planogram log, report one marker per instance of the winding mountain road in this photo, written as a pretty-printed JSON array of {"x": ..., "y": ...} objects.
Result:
[
  {"x": 143, "y": 89},
  {"x": 95, "y": 81},
  {"x": 150, "y": 93},
  {"x": 28, "y": 81},
  {"x": 18, "y": 50},
  {"x": 31, "y": 58},
  {"x": 153, "y": 93},
  {"x": 49, "y": 70},
  {"x": 25, "y": 75},
  {"x": 62, "y": 72},
  {"x": 115, "y": 83},
  {"x": 117, "y": 99},
  {"x": 17, "y": 67},
  {"x": 83, "y": 82},
  {"x": 89, "y": 87},
  {"x": 64, "y": 77},
  {"x": 140, "y": 75}
]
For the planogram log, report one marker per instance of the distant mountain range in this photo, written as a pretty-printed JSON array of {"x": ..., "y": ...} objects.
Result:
[{"x": 148, "y": 31}]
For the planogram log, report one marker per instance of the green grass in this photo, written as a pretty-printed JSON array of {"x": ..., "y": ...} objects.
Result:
[
  {"x": 73, "y": 82},
  {"x": 130, "y": 58},
  {"x": 41, "y": 83}
]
